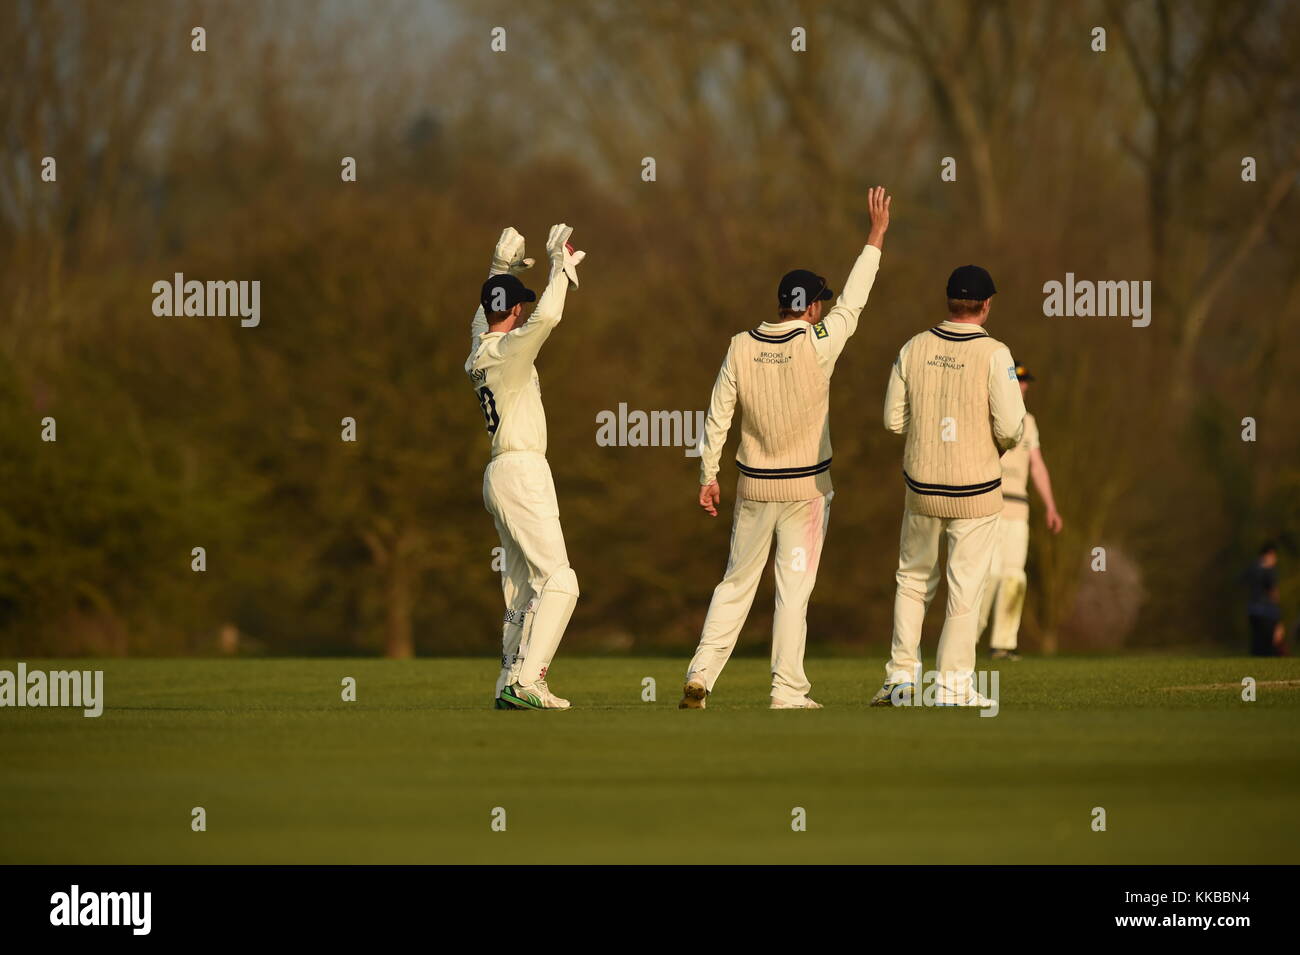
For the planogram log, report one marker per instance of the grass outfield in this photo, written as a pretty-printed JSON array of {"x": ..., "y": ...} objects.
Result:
[{"x": 411, "y": 772}]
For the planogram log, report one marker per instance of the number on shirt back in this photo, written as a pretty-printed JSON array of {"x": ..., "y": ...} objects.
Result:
[{"x": 489, "y": 405}]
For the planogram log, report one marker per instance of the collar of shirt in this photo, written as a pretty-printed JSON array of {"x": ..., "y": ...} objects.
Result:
[
  {"x": 786, "y": 326},
  {"x": 964, "y": 328}
]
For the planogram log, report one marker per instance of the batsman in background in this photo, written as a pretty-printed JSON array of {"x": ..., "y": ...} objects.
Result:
[
  {"x": 540, "y": 587},
  {"x": 780, "y": 375},
  {"x": 953, "y": 393},
  {"x": 1004, "y": 591}
]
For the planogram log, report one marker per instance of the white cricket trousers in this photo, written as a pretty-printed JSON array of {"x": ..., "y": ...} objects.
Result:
[
  {"x": 1004, "y": 591},
  {"x": 800, "y": 529},
  {"x": 970, "y": 551},
  {"x": 539, "y": 586}
]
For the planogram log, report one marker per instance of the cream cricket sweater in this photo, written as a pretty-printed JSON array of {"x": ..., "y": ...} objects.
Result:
[
  {"x": 779, "y": 374},
  {"x": 953, "y": 392},
  {"x": 785, "y": 431}
]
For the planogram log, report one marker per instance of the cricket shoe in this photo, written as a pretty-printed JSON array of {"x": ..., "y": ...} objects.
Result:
[
  {"x": 807, "y": 704},
  {"x": 971, "y": 699},
  {"x": 1004, "y": 655},
  {"x": 533, "y": 696},
  {"x": 557, "y": 702},
  {"x": 695, "y": 695},
  {"x": 885, "y": 696},
  {"x": 500, "y": 704}
]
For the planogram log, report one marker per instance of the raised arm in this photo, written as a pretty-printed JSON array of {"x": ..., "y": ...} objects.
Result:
[
  {"x": 842, "y": 320},
  {"x": 550, "y": 308},
  {"x": 527, "y": 340},
  {"x": 507, "y": 256},
  {"x": 721, "y": 408}
]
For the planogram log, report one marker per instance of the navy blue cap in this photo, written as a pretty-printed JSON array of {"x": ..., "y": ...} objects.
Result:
[
  {"x": 513, "y": 292},
  {"x": 813, "y": 286},
  {"x": 972, "y": 283}
]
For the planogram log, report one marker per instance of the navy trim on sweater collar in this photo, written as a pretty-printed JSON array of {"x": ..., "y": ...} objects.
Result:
[
  {"x": 947, "y": 331},
  {"x": 776, "y": 339}
]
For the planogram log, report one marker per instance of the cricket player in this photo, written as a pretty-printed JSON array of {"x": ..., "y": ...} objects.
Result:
[
  {"x": 779, "y": 373},
  {"x": 1004, "y": 591},
  {"x": 953, "y": 393},
  {"x": 540, "y": 587}
]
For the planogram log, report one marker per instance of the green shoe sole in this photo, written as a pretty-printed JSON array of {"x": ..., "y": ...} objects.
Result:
[{"x": 521, "y": 703}]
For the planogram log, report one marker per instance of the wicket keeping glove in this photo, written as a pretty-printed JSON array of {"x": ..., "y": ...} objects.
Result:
[
  {"x": 509, "y": 254},
  {"x": 563, "y": 254}
]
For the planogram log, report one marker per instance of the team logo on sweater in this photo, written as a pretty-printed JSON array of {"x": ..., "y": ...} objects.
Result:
[
  {"x": 772, "y": 358},
  {"x": 947, "y": 362},
  {"x": 820, "y": 330}
]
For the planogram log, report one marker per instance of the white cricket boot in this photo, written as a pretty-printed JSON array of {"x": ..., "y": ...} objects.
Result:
[
  {"x": 807, "y": 704},
  {"x": 972, "y": 698},
  {"x": 533, "y": 696},
  {"x": 557, "y": 702}
]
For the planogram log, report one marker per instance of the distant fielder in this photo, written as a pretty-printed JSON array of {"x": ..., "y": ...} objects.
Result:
[
  {"x": 780, "y": 375},
  {"x": 953, "y": 393},
  {"x": 1004, "y": 591},
  {"x": 540, "y": 587}
]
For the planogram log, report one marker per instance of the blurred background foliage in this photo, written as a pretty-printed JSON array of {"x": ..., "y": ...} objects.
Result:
[{"x": 183, "y": 432}]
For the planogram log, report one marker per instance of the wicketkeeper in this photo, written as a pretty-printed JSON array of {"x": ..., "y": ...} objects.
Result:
[{"x": 539, "y": 586}]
